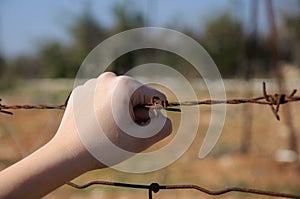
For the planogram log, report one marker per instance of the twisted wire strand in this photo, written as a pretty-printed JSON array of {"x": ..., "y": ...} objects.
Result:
[
  {"x": 274, "y": 101},
  {"x": 155, "y": 187}
]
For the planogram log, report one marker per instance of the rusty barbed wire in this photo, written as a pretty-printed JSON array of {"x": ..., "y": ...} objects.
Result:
[
  {"x": 155, "y": 187},
  {"x": 274, "y": 101},
  {"x": 4, "y": 108}
]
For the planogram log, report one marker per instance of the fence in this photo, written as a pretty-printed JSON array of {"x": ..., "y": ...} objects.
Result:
[{"x": 274, "y": 101}]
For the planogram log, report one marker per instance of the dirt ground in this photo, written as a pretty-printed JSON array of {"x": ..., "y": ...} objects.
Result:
[{"x": 225, "y": 166}]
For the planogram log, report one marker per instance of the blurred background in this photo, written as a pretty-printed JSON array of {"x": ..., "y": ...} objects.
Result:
[{"x": 43, "y": 43}]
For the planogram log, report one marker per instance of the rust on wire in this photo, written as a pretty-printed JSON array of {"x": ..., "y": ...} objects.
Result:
[
  {"x": 155, "y": 187},
  {"x": 3, "y": 107},
  {"x": 274, "y": 101}
]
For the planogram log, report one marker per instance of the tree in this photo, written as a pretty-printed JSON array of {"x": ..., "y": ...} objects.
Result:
[
  {"x": 293, "y": 26},
  {"x": 126, "y": 18},
  {"x": 2, "y": 65},
  {"x": 24, "y": 67},
  {"x": 55, "y": 63},
  {"x": 64, "y": 60},
  {"x": 86, "y": 33},
  {"x": 223, "y": 40}
]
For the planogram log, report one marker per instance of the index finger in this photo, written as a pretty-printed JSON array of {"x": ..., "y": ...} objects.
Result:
[{"x": 145, "y": 94}]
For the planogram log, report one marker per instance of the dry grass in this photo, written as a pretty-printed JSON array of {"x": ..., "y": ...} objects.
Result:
[{"x": 225, "y": 166}]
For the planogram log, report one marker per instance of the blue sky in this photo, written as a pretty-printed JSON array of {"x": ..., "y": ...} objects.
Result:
[{"x": 26, "y": 24}]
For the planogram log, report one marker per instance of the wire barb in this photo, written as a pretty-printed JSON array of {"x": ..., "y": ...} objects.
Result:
[
  {"x": 272, "y": 100},
  {"x": 2, "y": 111},
  {"x": 155, "y": 187}
]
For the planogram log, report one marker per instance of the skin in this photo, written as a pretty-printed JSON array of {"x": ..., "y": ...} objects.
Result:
[{"x": 64, "y": 157}]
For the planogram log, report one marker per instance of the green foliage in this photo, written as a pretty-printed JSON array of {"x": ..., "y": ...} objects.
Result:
[
  {"x": 223, "y": 39},
  {"x": 126, "y": 18},
  {"x": 25, "y": 67},
  {"x": 86, "y": 33},
  {"x": 3, "y": 74},
  {"x": 293, "y": 25},
  {"x": 2, "y": 66},
  {"x": 54, "y": 60}
]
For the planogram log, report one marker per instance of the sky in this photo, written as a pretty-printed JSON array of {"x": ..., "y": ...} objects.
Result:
[{"x": 26, "y": 24}]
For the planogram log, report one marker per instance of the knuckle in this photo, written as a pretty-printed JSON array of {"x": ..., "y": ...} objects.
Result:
[
  {"x": 125, "y": 80},
  {"x": 107, "y": 74}
]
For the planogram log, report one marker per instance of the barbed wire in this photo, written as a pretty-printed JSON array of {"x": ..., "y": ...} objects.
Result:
[
  {"x": 274, "y": 101},
  {"x": 4, "y": 108},
  {"x": 155, "y": 187}
]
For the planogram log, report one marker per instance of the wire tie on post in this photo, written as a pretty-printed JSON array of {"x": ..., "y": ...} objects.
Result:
[{"x": 154, "y": 187}]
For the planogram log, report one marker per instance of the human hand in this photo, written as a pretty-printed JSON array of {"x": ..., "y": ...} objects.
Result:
[
  {"x": 109, "y": 121},
  {"x": 104, "y": 123}
]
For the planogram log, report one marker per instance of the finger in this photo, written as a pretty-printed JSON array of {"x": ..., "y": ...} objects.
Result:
[
  {"x": 144, "y": 143},
  {"x": 144, "y": 95},
  {"x": 141, "y": 114},
  {"x": 106, "y": 77},
  {"x": 129, "y": 91},
  {"x": 139, "y": 94},
  {"x": 108, "y": 74},
  {"x": 164, "y": 132}
]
